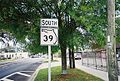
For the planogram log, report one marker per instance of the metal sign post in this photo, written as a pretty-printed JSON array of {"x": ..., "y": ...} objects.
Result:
[
  {"x": 49, "y": 63},
  {"x": 49, "y": 37}
]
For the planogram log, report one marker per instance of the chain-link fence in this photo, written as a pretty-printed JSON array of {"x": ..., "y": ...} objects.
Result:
[{"x": 96, "y": 59}]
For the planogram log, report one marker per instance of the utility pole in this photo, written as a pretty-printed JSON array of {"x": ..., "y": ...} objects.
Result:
[{"x": 111, "y": 43}]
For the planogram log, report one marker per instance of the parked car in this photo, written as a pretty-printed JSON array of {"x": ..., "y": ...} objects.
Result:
[
  {"x": 118, "y": 57},
  {"x": 77, "y": 55}
]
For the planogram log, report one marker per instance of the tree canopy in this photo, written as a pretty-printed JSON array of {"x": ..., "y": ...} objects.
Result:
[{"x": 81, "y": 22}]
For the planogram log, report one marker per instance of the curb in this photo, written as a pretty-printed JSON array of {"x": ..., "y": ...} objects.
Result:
[
  {"x": 32, "y": 78},
  {"x": 41, "y": 66}
]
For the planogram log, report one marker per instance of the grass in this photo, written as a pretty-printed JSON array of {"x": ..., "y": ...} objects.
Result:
[
  {"x": 7, "y": 60},
  {"x": 73, "y": 75}
]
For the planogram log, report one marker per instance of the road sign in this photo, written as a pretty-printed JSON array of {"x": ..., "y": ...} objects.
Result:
[
  {"x": 49, "y": 36},
  {"x": 49, "y": 32},
  {"x": 49, "y": 23}
]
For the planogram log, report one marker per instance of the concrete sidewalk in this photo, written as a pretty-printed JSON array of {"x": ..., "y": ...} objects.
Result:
[
  {"x": 53, "y": 64},
  {"x": 101, "y": 74}
]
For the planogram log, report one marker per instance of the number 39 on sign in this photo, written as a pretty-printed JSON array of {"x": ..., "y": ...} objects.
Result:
[{"x": 49, "y": 36}]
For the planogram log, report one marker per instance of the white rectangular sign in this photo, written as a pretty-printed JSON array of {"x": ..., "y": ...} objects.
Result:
[
  {"x": 49, "y": 36},
  {"x": 49, "y": 23},
  {"x": 108, "y": 38},
  {"x": 49, "y": 32}
]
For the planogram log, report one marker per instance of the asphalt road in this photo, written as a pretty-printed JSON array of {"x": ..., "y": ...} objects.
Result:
[{"x": 19, "y": 69}]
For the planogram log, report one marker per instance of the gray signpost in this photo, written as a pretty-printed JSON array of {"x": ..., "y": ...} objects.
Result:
[{"x": 49, "y": 37}]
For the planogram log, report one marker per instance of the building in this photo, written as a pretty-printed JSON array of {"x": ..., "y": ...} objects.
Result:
[
  {"x": 13, "y": 55},
  {"x": 10, "y": 53}
]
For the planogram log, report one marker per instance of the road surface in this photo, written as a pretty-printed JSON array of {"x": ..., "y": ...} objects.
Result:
[{"x": 19, "y": 70}]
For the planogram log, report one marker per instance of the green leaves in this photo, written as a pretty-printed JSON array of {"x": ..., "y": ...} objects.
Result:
[{"x": 22, "y": 18}]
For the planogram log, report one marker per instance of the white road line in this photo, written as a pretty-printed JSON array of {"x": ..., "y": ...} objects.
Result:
[
  {"x": 23, "y": 74},
  {"x": 7, "y": 79},
  {"x": 8, "y": 76}
]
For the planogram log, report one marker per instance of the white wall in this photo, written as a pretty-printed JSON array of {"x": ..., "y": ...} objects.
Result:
[{"x": 15, "y": 55}]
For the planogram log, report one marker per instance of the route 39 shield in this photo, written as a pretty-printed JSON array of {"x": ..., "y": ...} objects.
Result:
[{"x": 49, "y": 36}]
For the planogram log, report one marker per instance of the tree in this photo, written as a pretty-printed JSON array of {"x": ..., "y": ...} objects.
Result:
[{"x": 22, "y": 19}]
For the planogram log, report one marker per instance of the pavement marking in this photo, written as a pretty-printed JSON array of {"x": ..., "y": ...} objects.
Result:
[
  {"x": 23, "y": 74},
  {"x": 7, "y": 76},
  {"x": 6, "y": 80}
]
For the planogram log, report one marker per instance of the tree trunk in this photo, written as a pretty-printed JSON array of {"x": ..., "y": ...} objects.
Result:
[
  {"x": 64, "y": 60},
  {"x": 73, "y": 59},
  {"x": 62, "y": 46},
  {"x": 70, "y": 58}
]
